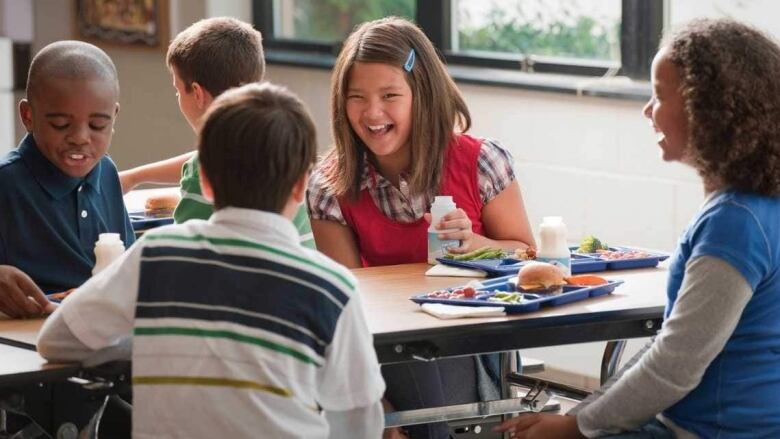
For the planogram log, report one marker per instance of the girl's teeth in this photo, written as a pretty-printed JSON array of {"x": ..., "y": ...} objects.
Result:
[{"x": 377, "y": 127}]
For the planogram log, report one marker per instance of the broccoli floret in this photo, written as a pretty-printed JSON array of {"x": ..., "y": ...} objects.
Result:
[{"x": 591, "y": 244}]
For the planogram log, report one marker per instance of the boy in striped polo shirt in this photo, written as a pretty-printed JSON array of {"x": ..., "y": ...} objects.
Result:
[
  {"x": 237, "y": 329},
  {"x": 207, "y": 58}
]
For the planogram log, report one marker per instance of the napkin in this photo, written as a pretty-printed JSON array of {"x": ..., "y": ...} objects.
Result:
[
  {"x": 447, "y": 270},
  {"x": 443, "y": 311}
]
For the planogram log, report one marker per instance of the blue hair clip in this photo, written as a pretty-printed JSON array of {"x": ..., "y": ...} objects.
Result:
[{"x": 409, "y": 61}]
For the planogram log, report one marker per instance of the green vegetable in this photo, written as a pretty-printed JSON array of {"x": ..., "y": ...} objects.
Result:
[
  {"x": 591, "y": 244},
  {"x": 481, "y": 253},
  {"x": 502, "y": 296}
]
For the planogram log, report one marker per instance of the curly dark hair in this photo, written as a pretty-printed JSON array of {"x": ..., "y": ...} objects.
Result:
[{"x": 730, "y": 76}]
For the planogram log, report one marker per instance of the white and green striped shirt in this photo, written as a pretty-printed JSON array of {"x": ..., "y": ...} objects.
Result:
[{"x": 239, "y": 330}]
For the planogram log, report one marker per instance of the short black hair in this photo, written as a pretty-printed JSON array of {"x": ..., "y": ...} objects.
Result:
[
  {"x": 257, "y": 141},
  {"x": 70, "y": 59}
]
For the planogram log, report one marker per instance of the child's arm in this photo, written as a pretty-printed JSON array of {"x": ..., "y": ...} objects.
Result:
[
  {"x": 541, "y": 426},
  {"x": 504, "y": 219},
  {"x": 350, "y": 384},
  {"x": 166, "y": 171},
  {"x": 97, "y": 316},
  {"x": 337, "y": 241},
  {"x": 710, "y": 303},
  {"x": 363, "y": 422},
  {"x": 16, "y": 290}
]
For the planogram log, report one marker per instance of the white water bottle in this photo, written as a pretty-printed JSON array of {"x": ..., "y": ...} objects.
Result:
[
  {"x": 442, "y": 205},
  {"x": 553, "y": 248},
  {"x": 107, "y": 248}
]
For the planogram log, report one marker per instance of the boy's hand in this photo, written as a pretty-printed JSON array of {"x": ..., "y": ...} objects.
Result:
[
  {"x": 541, "y": 425},
  {"x": 19, "y": 296}
]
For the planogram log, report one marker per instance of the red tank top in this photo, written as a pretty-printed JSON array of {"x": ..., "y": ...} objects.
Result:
[{"x": 382, "y": 241}]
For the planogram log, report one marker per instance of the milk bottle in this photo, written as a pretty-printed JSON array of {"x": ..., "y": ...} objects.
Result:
[
  {"x": 107, "y": 248},
  {"x": 553, "y": 248},
  {"x": 442, "y": 205}
]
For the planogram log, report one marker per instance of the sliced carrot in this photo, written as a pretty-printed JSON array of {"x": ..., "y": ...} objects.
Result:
[{"x": 586, "y": 279}]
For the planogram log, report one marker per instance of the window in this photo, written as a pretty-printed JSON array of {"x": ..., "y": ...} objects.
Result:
[
  {"x": 330, "y": 21},
  {"x": 760, "y": 13},
  {"x": 579, "y": 29},
  {"x": 583, "y": 37}
]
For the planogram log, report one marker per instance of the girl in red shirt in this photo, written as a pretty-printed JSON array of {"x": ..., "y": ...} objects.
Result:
[{"x": 398, "y": 123}]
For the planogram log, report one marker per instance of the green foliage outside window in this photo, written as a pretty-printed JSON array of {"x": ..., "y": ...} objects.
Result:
[
  {"x": 559, "y": 28},
  {"x": 568, "y": 33},
  {"x": 333, "y": 20}
]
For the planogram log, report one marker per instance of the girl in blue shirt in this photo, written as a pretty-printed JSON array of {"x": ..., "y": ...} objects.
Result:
[{"x": 714, "y": 368}]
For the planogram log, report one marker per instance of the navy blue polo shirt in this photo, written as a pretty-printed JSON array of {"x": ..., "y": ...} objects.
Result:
[{"x": 49, "y": 221}]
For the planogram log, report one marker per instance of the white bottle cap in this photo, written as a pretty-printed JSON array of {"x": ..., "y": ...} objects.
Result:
[
  {"x": 108, "y": 237},
  {"x": 443, "y": 199}
]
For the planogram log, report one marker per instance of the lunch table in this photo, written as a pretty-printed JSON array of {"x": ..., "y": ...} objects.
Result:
[{"x": 402, "y": 332}]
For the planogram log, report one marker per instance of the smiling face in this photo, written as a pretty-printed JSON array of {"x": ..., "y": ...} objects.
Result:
[
  {"x": 666, "y": 109},
  {"x": 72, "y": 121},
  {"x": 379, "y": 109}
]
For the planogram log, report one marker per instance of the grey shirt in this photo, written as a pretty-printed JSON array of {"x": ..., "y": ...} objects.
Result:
[{"x": 708, "y": 307}]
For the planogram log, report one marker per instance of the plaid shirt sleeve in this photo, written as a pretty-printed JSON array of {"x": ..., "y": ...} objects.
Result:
[
  {"x": 495, "y": 169},
  {"x": 322, "y": 205}
]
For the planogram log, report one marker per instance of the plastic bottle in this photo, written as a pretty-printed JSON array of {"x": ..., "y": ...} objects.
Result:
[
  {"x": 107, "y": 248},
  {"x": 553, "y": 248},
  {"x": 442, "y": 205}
]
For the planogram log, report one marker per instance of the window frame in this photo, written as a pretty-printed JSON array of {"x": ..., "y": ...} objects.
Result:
[{"x": 640, "y": 34}]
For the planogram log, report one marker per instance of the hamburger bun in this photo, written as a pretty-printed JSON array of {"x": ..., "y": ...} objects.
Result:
[
  {"x": 540, "y": 276},
  {"x": 163, "y": 205}
]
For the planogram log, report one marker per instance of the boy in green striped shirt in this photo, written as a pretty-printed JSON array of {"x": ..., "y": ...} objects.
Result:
[{"x": 206, "y": 59}]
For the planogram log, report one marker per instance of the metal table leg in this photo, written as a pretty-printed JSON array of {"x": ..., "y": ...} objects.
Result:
[{"x": 611, "y": 359}]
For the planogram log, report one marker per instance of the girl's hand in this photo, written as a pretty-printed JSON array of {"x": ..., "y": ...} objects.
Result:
[
  {"x": 541, "y": 425},
  {"x": 460, "y": 222}
]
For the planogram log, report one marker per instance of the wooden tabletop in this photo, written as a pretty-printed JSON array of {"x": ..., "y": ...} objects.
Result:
[
  {"x": 21, "y": 366},
  {"x": 21, "y": 331},
  {"x": 393, "y": 318}
]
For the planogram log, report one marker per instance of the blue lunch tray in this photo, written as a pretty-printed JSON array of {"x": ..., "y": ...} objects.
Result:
[
  {"x": 580, "y": 263},
  {"x": 651, "y": 260},
  {"x": 502, "y": 267},
  {"x": 531, "y": 301},
  {"x": 142, "y": 222}
]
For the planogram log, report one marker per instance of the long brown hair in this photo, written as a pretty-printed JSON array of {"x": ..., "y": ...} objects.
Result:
[{"x": 437, "y": 105}]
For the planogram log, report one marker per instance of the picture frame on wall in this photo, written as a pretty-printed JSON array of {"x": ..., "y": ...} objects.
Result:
[{"x": 126, "y": 22}]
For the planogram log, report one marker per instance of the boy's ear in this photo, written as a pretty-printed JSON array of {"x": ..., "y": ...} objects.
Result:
[
  {"x": 205, "y": 185},
  {"x": 202, "y": 96},
  {"x": 298, "y": 192},
  {"x": 25, "y": 113}
]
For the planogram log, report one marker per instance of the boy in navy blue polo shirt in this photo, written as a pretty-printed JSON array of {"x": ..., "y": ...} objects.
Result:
[{"x": 58, "y": 190}]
